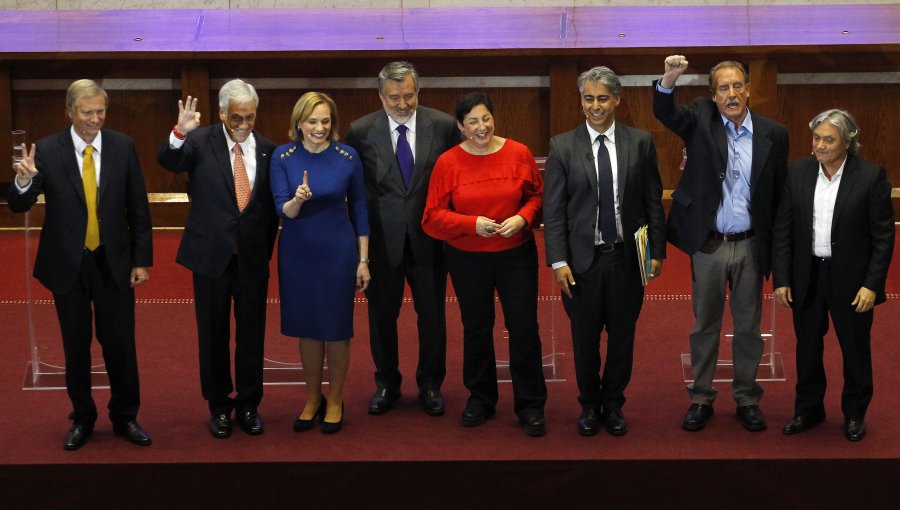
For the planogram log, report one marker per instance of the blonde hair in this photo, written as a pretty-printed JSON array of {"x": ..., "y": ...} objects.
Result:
[
  {"x": 83, "y": 88},
  {"x": 304, "y": 107}
]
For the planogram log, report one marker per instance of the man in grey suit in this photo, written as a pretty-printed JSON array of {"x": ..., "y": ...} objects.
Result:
[
  {"x": 735, "y": 158},
  {"x": 602, "y": 170},
  {"x": 399, "y": 147}
]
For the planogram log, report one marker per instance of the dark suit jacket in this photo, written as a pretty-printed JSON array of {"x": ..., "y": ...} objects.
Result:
[
  {"x": 862, "y": 230},
  {"x": 394, "y": 211},
  {"x": 570, "y": 195},
  {"x": 215, "y": 229},
  {"x": 122, "y": 210},
  {"x": 699, "y": 192}
]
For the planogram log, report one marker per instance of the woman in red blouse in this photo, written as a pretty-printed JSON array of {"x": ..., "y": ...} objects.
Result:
[{"x": 484, "y": 198}]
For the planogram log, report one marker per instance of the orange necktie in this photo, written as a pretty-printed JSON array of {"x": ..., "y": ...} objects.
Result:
[
  {"x": 89, "y": 181},
  {"x": 241, "y": 182}
]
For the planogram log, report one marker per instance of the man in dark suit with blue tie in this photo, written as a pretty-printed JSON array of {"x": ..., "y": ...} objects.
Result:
[
  {"x": 96, "y": 246},
  {"x": 227, "y": 244},
  {"x": 722, "y": 214},
  {"x": 601, "y": 184},
  {"x": 399, "y": 146}
]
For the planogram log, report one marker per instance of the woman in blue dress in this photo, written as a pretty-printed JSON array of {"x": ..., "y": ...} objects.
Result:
[{"x": 323, "y": 251}]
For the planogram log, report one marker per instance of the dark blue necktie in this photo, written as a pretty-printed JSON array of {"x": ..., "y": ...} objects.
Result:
[
  {"x": 404, "y": 155},
  {"x": 607, "y": 201}
]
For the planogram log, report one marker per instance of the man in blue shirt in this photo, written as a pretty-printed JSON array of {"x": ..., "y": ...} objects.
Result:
[{"x": 722, "y": 214}]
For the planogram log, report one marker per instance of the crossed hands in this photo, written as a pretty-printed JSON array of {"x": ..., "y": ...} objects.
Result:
[{"x": 486, "y": 227}]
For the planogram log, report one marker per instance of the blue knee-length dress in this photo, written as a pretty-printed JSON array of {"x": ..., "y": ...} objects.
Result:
[{"x": 318, "y": 250}]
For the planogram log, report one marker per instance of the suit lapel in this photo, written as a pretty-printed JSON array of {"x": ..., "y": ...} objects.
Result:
[
  {"x": 389, "y": 168},
  {"x": 424, "y": 140},
  {"x": 107, "y": 158},
  {"x": 848, "y": 180},
  {"x": 261, "y": 174},
  {"x": 720, "y": 136},
  {"x": 220, "y": 151},
  {"x": 622, "y": 145},
  {"x": 808, "y": 177},
  {"x": 70, "y": 164},
  {"x": 761, "y": 147},
  {"x": 584, "y": 145}
]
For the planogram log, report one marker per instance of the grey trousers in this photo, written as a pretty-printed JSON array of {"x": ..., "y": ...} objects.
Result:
[{"x": 721, "y": 264}]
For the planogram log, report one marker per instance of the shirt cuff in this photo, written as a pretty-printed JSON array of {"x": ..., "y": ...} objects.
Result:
[
  {"x": 22, "y": 190},
  {"x": 557, "y": 265},
  {"x": 174, "y": 141},
  {"x": 662, "y": 89}
]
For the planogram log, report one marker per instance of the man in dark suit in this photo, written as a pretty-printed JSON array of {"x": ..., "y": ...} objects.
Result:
[
  {"x": 722, "y": 214},
  {"x": 399, "y": 147},
  {"x": 227, "y": 243},
  {"x": 96, "y": 246},
  {"x": 602, "y": 174},
  {"x": 833, "y": 243}
]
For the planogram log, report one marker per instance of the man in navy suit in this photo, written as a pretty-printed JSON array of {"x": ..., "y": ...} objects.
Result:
[
  {"x": 96, "y": 246},
  {"x": 599, "y": 273},
  {"x": 399, "y": 250},
  {"x": 722, "y": 214},
  {"x": 227, "y": 244},
  {"x": 833, "y": 243}
]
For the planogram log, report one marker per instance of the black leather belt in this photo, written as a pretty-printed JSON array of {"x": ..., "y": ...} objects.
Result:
[
  {"x": 604, "y": 248},
  {"x": 732, "y": 237}
]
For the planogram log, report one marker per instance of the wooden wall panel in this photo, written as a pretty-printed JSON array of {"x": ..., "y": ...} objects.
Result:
[{"x": 875, "y": 107}]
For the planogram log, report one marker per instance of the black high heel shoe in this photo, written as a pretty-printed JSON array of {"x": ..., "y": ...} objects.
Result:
[
  {"x": 304, "y": 425},
  {"x": 331, "y": 428}
]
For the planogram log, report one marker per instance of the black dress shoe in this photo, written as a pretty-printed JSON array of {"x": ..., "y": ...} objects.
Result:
[
  {"x": 614, "y": 421},
  {"x": 751, "y": 418},
  {"x": 801, "y": 423},
  {"x": 432, "y": 401},
  {"x": 383, "y": 399},
  {"x": 476, "y": 414},
  {"x": 330, "y": 427},
  {"x": 77, "y": 435},
  {"x": 696, "y": 417},
  {"x": 220, "y": 426},
  {"x": 250, "y": 422},
  {"x": 855, "y": 430},
  {"x": 302, "y": 425},
  {"x": 589, "y": 421},
  {"x": 533, "y": 425},
  {"x": 133, "y": 432}
]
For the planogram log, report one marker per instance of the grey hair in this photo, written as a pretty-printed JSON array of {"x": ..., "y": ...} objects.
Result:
[
  {"x": 238, "y": 91},
  {"x": 845, "y": 123},
  {"x": 397, "y": 71},
  {"x": 727, "y": 63},
  {"x": 601, "y": 75},
  {"x": 83, "y": 88}
]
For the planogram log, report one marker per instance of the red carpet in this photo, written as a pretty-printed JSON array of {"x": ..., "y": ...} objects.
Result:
[{"x": 413, "y": 456}]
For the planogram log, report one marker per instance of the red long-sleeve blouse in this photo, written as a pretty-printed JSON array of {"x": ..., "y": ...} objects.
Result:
[{"x": 499, "y": 185}]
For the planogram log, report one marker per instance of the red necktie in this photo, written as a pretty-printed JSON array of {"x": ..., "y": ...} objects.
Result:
[{"x": 241, "y": 182}]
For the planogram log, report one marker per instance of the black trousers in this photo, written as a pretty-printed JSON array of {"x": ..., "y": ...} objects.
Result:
[
  {"x": 609, "y": 295},
  {"x": 513, "y": 274},
  {"x": 113, "y": 314},
  {"x": 212, "y": 304},
  {"x": 853, "y": 332},
  {"x": 385, "y": 297}
]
